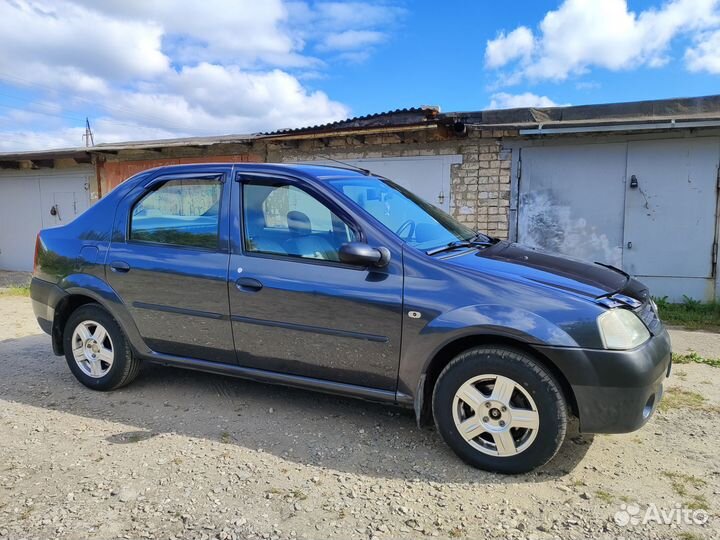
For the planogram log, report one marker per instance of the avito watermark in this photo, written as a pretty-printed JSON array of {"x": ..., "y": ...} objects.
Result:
[{"x": 631, "y": 514}]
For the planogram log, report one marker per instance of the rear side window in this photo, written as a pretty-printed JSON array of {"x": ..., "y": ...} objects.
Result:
[{"x": 180, "y": 213}]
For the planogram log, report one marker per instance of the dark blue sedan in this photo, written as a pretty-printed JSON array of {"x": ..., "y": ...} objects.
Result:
[{"x": 337, "y": 280}]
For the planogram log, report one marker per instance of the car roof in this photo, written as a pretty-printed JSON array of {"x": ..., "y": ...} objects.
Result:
[{"x": 322, "y": 172}]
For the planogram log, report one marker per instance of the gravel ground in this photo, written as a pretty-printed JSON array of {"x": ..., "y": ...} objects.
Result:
[{"x": 185, "y": 455}]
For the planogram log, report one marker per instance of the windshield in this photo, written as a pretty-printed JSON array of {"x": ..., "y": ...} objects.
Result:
[{"x": 415, "y": 221}]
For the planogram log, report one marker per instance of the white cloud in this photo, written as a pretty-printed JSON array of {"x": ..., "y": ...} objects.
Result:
[
  {"x": 582, "y": 34},
  {"x": 517, "y": 44},
  {"x": 503, "y": 100},
  {"x": 168, "y": 68},
  {"x": 705, "y": 54},
  {"x": 352, "y": 39}
]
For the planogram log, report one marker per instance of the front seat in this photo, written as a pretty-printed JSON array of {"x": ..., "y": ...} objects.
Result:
[{"x": 303, "y": 243}]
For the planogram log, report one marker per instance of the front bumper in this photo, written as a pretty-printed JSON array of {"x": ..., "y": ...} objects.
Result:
[{"x": 615, "y": 391}]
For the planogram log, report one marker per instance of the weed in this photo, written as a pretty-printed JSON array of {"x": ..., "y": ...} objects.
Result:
[
  {"x": 680, "y": 482},
  {"x": 675, "y": 398},
  {"x": 694, "y": 358},
  {"x": 686, "y": 535},
  {"x": 604, "y": 496},
  {"x": 690, "y": 314},
  {"x": 225, "y": 437},
  {"x": 23, "y": 290}
]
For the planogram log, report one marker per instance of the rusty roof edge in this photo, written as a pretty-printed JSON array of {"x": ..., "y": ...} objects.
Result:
[{"x": 415, "y": 115}]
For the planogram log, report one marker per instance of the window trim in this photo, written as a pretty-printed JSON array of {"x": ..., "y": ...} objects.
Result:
[
  {"x": 157, "y": 183},
  {"x": 244, "y": 179}
]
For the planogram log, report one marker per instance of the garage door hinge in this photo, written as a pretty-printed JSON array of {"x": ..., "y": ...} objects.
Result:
[
  {"x": 714, "y": 256},
  {"x": 717, "y": 178}
]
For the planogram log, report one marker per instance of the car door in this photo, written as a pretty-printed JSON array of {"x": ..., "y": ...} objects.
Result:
[
  {"x": 168, "y": 261},
  {"x": 295, "y": 308}
]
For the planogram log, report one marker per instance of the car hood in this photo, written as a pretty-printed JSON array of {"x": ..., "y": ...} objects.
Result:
[{"x": 565, "y": 273}]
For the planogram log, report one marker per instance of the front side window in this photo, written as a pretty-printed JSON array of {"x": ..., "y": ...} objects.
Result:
[
  {"x": 415, "y": 221},
  {"x": 181, "y": 213},
  {"x": 285, "y": 220}
]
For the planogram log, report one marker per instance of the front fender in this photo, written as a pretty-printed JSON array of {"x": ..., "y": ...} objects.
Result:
[
  {"x": 97, "y": 289},
  {"x": 423, "y": 341}
]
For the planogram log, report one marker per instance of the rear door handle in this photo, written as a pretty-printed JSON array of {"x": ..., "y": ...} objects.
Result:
[
  {"x": 248, "y": 284},
  {"x": 119, "y": 266}
]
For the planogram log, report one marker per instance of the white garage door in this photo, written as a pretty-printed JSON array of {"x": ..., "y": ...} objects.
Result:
[
  {"x": 34, "y": 200},
  {"x": 426, "y": 176}
]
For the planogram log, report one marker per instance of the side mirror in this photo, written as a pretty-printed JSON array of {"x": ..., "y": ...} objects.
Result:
[{"x": 361, "y": 254}]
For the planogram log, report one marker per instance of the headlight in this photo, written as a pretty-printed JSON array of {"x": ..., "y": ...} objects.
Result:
[{"x": 622, "y": 329}]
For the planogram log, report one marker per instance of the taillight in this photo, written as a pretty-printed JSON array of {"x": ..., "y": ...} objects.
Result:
[{"x": 37, "y": 252}]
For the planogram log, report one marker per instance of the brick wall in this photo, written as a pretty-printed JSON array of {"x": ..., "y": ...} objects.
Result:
[{"x": 480, "y": 185}]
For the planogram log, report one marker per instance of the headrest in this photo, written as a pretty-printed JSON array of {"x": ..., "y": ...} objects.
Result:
[{"x": 298, "y": 223}]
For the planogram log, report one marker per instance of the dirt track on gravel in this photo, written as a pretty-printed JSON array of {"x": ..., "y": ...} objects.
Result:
[{"x": 188, "y": 455}]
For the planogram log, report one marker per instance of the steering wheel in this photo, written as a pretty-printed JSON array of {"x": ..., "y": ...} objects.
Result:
[{"x": 407, "y": 224}]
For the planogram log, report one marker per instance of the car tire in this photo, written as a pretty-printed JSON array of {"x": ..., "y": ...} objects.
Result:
[
  {"x": 500, "y": 410},
  {"x": 97, "y": 350}
]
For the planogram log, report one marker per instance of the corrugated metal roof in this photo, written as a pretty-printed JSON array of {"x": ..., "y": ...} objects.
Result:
[
  {"x": 397, "y": 117},
  {"x": 167, "y": 143}
]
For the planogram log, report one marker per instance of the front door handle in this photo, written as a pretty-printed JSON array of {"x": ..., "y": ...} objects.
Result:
[
  {"x": 248, "y": 284},
  {"x": 119, "y": 266}
]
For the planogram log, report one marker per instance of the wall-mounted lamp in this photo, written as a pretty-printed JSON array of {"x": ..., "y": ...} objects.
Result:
[{"x": 633, "y": 182}]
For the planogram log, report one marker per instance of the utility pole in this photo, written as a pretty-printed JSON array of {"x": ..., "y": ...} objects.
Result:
[{"x": 88, "y": 136}]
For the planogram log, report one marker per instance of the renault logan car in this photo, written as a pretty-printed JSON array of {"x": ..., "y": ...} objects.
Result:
[{"x": 333, "y": 279}]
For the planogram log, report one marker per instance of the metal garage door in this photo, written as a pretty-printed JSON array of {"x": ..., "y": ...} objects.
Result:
[
  {"x": 646, "y": 206},
  {"x": 670, "y": 215},
  {"x": 426, "y": 176},
  {"x": 27, "y": 199},
  {"x": 571, "y": 200}
]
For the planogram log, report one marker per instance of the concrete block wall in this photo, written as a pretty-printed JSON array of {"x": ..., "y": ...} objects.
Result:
[{"x": 480, "y": 185}]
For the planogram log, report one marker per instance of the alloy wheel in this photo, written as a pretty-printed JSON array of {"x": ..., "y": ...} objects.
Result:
[
  {"x": 495, "y": 415},
  {"x": 92, "y": 349}
]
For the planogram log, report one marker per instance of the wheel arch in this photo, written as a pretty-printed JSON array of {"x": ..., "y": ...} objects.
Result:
[
  {"x": 423, "y": 397},
  {"x": 83, "y": 289}
]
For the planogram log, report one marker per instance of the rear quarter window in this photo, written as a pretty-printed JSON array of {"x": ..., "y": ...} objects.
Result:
[{"x": 180, "y": 213}]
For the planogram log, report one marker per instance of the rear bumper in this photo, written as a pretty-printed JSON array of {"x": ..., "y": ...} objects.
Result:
[
  {"x": 616, "y": 391},
  {"x": 45, "y": 296}
]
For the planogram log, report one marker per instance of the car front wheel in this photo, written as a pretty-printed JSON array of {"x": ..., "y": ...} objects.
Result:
[
  {"x": 96, "y": 349},
  {"x": 500, "y": 410}
]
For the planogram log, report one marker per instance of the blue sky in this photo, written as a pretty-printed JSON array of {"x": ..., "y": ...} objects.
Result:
[{"x": 144, "y": 70}]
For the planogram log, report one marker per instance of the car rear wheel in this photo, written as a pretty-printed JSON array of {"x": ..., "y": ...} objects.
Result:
[
  {"x": 500, "y": 410},
  {"x": 97, "y": 351}
]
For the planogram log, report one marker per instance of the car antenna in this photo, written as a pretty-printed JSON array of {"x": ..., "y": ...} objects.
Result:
[{"x": 366, "y": 172}]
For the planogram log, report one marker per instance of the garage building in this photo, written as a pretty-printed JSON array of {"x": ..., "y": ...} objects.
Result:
[{"x": 634, "y": 185}]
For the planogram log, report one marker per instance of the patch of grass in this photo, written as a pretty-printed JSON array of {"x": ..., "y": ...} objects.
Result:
[
  {"x": 134, "y": 438},
  {"x": 298, "y": 495},
  {"x": 691, "y": 314},
  {"x": 225, "y": 437},
  {"x": 681, "y": 482},
  {"x": 686, "y": 535},
  {"x": 694, "y": 358},
  {"x": 23, "y": 290},
  {"x": 698, "y": 502},
  {"x": 604, "y": 496},
  {"x": 625, "y": 499},
  {"x": 675, "y": 398}
]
